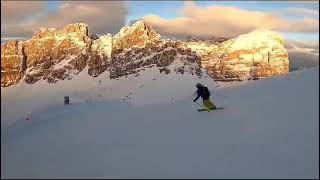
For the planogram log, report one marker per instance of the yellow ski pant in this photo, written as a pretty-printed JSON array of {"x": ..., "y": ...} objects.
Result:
[{"x": 208, "y": 104}]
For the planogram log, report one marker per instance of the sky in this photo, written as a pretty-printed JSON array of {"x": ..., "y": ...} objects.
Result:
[{"x": 295, "y": 20}]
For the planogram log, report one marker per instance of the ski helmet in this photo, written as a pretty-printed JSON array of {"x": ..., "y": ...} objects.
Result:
[{"x": 198, "y": 85}]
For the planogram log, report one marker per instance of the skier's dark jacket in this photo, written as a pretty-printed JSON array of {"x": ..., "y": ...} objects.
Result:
[{"x": 202, "y": 92}]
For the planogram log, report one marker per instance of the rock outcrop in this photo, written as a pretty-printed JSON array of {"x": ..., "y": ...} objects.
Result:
[
  {"x": 258, "y": 54},
  {"x": 98, "y": 55},
  {"x": 138, "y": 46},
  {"x": 54, "y": 55},
  {"x": 137, "y": 35},
  {"x": 10, "y": 63}
]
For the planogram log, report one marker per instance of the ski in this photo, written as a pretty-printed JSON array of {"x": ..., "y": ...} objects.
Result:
[
  {"x": 204, "y": 110},
  {"x": 210, "y": 109}
]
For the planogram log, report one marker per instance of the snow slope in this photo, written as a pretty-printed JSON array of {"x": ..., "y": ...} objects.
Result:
[
  {"x": 149, "y": 87},
  {"x": 268, "y": 129}
]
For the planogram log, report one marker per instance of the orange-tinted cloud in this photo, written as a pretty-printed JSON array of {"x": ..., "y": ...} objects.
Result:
[
  {"x": 102, "y": 17},
  {"x": 226, "y": 21},
  {"x": 13, "y": 12}
]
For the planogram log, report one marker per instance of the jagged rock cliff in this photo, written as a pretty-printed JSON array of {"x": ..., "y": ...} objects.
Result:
[
  {"x": 10, "y": 63},
  {"x": 140, "y": 46},
  {"x": 98, "y": 55},
  {"x": 54, "y": 55},
  {"x": 258, "y": 54}
]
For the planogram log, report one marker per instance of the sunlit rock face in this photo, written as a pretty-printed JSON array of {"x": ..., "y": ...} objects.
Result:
[
  {"x": 258, "y": 54},
  {"x": 50, "y": 55},
  {"x": 98, "y": 55},
  {"x": 137, "y": 35},
  {"x": 53, "y": 55},
  {"x": 10, "y": 63},
  {"x": 139, "y": 46}
]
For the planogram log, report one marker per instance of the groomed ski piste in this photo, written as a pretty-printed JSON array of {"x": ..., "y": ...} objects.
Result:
[{"x": 148, "y": 127}]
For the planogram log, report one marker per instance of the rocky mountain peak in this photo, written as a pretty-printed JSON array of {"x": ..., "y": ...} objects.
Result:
[
  {"x": 58, "y": 54},
  {"x": 78, "y": 29},
  {"x": 257, "y": 54},
  {"x": 136, "y": 35}
]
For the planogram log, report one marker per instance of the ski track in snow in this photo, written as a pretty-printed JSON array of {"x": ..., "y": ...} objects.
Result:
[{"x": 269, "y": 129}]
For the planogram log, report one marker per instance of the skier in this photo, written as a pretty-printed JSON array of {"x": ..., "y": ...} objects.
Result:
[{"x": 204, "y": 93}]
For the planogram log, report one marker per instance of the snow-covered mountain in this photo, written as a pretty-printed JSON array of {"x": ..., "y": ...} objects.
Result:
[
  {"x": 258, "y": 54},
  {"x": 131, "y": 113},
  {"x": 54, "y": 55},
  {"x": 149, "y": 87}
]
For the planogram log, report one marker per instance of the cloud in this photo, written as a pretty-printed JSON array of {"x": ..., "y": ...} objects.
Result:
[
  {"x": 17, "y": 31},
  {"x": 303, "y": 11},
  {"x": 132, "y": 21},
  {"x": 13, "y": 12},
  {"x": 299, "y": 59},
  {"x": 224, "y": 21},
  {"x": 314, "y": 2},
  {"x": 302, "y": 54},
  {"x": 102, "y": 17},
  {"x": 293, "y": 44}
]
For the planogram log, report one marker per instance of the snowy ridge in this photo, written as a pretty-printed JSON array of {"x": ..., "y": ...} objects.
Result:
[
  {"x": 258, "y": 54},
  {"x": 83, "y": 88},
  {"x": 258, "y": 37},
  {"x": 64, "y": 63},
  {"x": 103, "y": 46}
]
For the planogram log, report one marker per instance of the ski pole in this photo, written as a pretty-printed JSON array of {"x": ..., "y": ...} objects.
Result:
[{"x": 200, "y": 105}]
